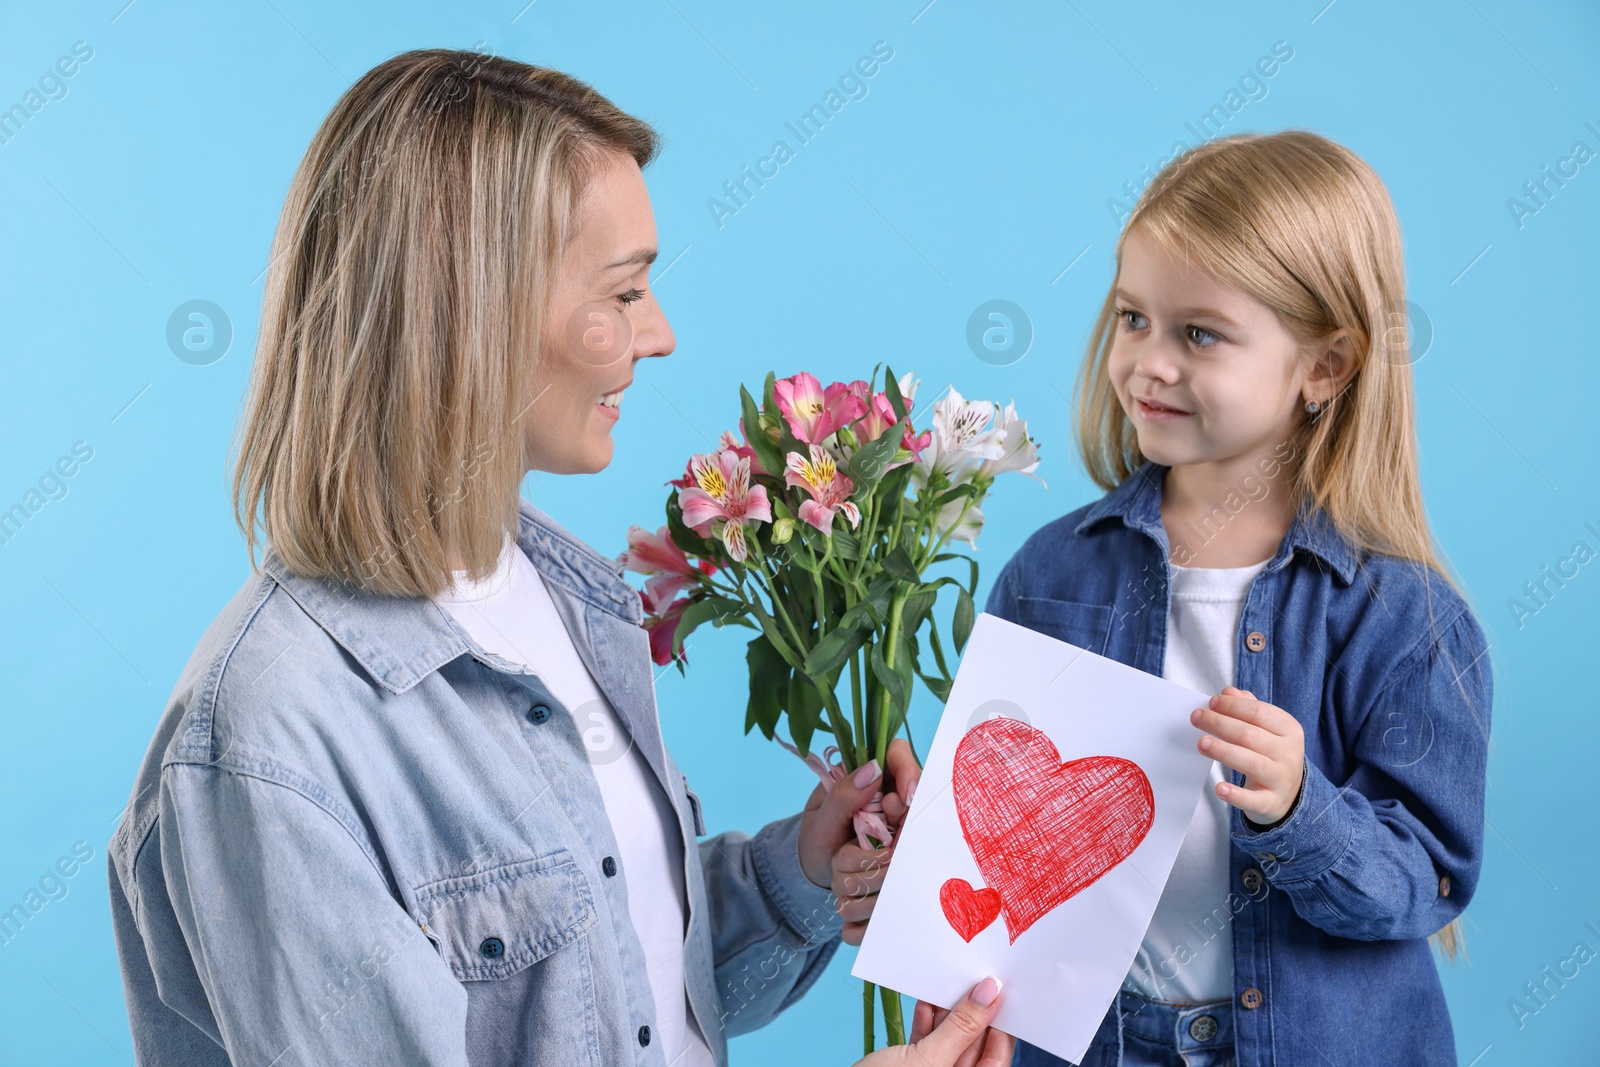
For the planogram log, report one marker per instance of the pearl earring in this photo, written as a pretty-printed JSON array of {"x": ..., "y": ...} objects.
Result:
[{"x": 1313, "y": 407}]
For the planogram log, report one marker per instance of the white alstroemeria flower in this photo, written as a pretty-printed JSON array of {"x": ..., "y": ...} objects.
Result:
[
  {"x": 971, "y": 523},
  {"x": 1020, "y": 455},
  {"x": 962, "y": 439},
  {"x": 908, "y": 389}
]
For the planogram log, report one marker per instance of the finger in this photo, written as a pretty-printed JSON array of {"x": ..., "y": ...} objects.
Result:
[
  {"x": 1252, "y": 800},
  {"x": 1239, "y": 731},
  {"x": 1256, "y": 766},
  {"x": 922, "y": 1021},
  {"x": 904, "y": 770},
  {"x": 998, "y": 1048},
  {"x": 894, "y": 809},
  {"x": 964, "y": 1025},
  {"x": 848, "y": 795},
  {"x": 852, "y": 933},
  {"x": 858, "y": 872},
  {"x": 1249, "y": 709}
]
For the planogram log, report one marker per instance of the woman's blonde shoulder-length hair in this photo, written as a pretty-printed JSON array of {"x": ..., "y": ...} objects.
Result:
[
  {"x": 406, "y": 296},
  {"x": 1305, "y": 226}
]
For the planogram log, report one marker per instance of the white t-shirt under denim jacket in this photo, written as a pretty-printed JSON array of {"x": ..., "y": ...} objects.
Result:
[
  {"x": 358, "y": 836},
  {"x": 510, "y": 613},
  {"x": 1187, "y": 952}
]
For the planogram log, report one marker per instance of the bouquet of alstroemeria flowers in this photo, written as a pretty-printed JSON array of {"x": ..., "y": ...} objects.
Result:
[{"x": 816, "y": 530}]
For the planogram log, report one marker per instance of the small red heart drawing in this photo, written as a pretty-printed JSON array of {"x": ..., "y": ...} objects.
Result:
[
  {"x": 1042, "y": 830},
  {"x": 968, "y": 910}
]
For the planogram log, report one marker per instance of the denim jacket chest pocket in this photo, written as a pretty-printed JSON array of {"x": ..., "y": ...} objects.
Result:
[
  {"x": 1078, "y": 623},
  {"x": 499, "y": 921}
]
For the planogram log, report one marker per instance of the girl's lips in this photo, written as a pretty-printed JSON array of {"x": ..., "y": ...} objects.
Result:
[
  {"x": 1155, "y": 414},
  {"x": 612, "y": 413}
]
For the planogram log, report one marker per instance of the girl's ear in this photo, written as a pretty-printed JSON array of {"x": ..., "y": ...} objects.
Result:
[{"x": 1333, "y": 364}]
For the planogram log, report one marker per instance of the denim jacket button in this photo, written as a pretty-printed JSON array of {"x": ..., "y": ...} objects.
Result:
[
  {"x": 539, "y": 713},
  {"x": 644, "y": 1035},
  {"x": 492, "y": 948},
  {"x": 1251, "y": 998},
  {"x": 1444, "y": 886},
  {"x": 609, "y": 865},
  {"x": 1250, "y": 879},
  {"x": 1255, "y": 641}
]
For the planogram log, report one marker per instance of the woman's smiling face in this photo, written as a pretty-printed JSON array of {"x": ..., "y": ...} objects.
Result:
[
  {"x": 603, "y": 320},
  {"x": 1219, "y": 358}
]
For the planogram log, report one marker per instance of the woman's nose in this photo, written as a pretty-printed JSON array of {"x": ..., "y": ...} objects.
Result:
[{"x": 652, "y": 336}]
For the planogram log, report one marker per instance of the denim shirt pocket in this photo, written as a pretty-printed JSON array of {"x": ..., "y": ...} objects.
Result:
[
  {"x": 1086, "y": 625},
  {"x": 497, "y": 922}
]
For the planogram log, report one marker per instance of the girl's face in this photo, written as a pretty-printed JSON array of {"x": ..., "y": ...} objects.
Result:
[
  {"x": 603, "y": 320},
  {"x": 1207, "y": 374}
]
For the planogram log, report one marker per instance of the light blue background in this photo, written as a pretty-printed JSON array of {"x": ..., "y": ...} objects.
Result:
[{"x": 978, "y": 167}]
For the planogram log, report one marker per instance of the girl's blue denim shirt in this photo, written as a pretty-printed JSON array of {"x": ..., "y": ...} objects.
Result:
[
  {"x": 1386, "y": 669},
  {"x": 359, "y": 838}
]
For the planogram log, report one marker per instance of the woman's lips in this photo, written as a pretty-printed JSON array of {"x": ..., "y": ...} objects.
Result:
[{"x": 1155, "y": 414}]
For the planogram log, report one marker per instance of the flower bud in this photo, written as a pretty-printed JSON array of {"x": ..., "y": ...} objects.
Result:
[
  {"x": 782, "y": 530},
  {"x": 846, "y": 437}
]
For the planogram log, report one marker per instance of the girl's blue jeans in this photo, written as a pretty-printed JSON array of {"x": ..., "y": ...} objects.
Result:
[{"x": 1153, "y": 1033}]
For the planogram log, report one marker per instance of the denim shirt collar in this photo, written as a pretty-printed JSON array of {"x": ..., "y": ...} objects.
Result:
[
  {"x": 401, "y": 640},
  {"x": 1137, "y": 502}
]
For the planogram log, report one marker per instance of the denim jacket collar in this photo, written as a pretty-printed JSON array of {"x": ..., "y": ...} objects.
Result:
[
  {"x": 401, "y": 640},
  {"x": 1137, "y": 502}
]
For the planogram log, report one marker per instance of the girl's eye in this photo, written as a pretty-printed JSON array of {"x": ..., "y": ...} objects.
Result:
[
  {"x": 631, "y": 295},
  {"x": 1192, "y": 331},
  {"x": 1123, "y": 313}
]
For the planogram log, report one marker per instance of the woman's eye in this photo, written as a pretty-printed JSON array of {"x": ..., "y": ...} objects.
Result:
[
  {"x": 1202, "y": 337},
  {"x": 631, "y": 295}
]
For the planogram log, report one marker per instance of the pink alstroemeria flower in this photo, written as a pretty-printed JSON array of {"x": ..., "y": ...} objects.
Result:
[
  {"x": 722, "y": 494},
  {"x": 662, "y": 628},
  {"x": 655, "y": 554},
  {"x": 879, "y": 418},
  {"x": 728, "y": 441},
  {"x": 829, "y": 489},
  {"x": 813, "y": 412}
]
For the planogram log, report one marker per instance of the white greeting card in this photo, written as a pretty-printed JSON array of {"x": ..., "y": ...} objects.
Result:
[{"x": 1052, "y": 803}]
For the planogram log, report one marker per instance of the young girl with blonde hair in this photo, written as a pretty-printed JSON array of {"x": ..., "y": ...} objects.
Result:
[{"x": 1247, "y": 403}]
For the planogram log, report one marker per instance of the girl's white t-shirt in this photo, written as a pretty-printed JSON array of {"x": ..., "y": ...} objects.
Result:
[
  {"x": 510, "y": 613},
  {"x": 1187, "y": 952}
]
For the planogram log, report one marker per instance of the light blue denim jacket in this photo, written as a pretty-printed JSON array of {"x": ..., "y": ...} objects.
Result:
[{"x": 359, "y": 838}]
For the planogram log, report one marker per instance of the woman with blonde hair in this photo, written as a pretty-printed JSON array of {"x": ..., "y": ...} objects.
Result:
[
  {"x": 409, "y": 801},
  {"x": 1247, "y": 403}
]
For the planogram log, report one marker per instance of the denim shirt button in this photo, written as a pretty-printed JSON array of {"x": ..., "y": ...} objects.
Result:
[
  {"x": 1251, "y": 998},
  {"x": 1250, "y": 879},
  {"x": 1444, "y": 886},
  {"x": 644, "y": 1035},
  {"x": 539, "y": 713},
  {"x": 609, "y": 865},
  {"x": 492, "y": 948},
  {"x": 1255, "y": 641}
]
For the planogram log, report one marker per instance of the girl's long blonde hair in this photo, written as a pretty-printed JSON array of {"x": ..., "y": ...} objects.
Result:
[
  {"x": 407, "y": 292},
  {"x": 1306, "y": 227}
]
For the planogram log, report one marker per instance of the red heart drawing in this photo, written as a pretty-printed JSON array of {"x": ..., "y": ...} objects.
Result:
[
  {"x": 968, "y": 910},
  {"x": 1042, "y": 830}
]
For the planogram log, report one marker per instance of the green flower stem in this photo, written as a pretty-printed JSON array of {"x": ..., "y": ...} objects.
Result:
[
  {"x": 892, "y": 644},
  {"x": 893, "y": 1025},
  {"x": 966, "y": 506},
  {"x": 869, "y": 1002}
]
